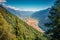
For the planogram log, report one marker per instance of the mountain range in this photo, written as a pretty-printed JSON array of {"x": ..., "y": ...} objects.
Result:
[
  {"x": 22, "y": 14},
  {"x": 42, "y": 17},
  {"x": 13, "y": 28}
]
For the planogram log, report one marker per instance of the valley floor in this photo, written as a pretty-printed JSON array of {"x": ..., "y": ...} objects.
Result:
[{"x": 34, "y": 24}]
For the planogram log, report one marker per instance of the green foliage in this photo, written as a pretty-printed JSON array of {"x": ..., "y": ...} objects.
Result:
[
  {"x": 54, "y": 33},
  {"x": 16, "y": 29}
]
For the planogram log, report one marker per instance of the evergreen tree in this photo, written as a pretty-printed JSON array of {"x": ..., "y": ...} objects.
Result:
[{"x": 54, "y": 24}]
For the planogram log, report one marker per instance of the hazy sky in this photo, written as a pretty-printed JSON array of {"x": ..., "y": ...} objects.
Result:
[{"x": 30, "y": 4}]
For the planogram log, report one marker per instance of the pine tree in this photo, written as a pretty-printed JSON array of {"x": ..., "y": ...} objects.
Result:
[{"x": 54, "y": 17}]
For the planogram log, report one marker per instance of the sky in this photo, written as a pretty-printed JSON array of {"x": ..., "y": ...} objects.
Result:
[{"x": 30, "y": 5}]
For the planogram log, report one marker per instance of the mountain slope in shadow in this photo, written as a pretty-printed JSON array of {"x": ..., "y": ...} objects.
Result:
[{"x": 42, "y": 17}]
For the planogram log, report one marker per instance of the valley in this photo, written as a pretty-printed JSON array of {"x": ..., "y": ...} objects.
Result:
[
  {"x": 13, "y": 28},
  {"x": 34, "y": 24},
  {"x": 30, "y": 16}
]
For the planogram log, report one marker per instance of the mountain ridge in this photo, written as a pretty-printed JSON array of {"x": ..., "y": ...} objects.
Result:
[
  {"x": 17, "y": 28},
  {"x": 42, "y": 17},
  {"x": 24, "y": 15}
]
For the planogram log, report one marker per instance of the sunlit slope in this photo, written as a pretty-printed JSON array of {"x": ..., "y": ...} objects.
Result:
[{"x": 13, "y": 28}]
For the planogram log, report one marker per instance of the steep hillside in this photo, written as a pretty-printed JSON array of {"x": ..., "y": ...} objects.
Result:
[
  {"x": 42, "y": 17},
  {"x": 13, "y": 28}
]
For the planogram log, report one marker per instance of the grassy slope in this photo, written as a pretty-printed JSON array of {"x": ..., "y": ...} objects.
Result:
[{"x": 12, "y": 28}]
